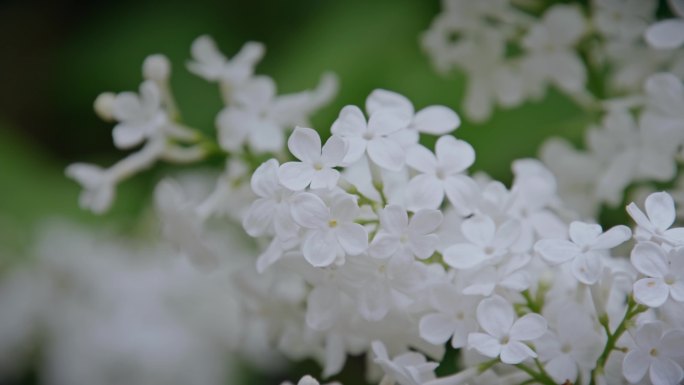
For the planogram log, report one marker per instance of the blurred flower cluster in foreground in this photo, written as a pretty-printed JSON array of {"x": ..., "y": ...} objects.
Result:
[{"x": 370, "y": 245}]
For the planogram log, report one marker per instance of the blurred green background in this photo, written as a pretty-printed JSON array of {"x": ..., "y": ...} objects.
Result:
[{"x": 58, "y": 56}]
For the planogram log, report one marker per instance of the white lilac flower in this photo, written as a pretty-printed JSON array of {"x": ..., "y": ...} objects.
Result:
[
  {"x": 507, "y": 273},
  {"x": 657, "y": 353},
  {"x": 504, "y": 336},
  {"x": 666, "y": 34},
  {"x": 140, "y": 116},
  {"x": 270, "y": 212},
  {"x": 316, "y": 165},
  {"x": 441, "y": 174},
  {"x": 486, "y": 242},
  {"x": 551, "y": 56},
  {"x": 98, "y": 186},
  {"x": 332, "y": 231},
  {"x": 570, "y": 349},
  {"x": 584, "y": 249},
  {"x": 410, "y": 368},
  {"x": 210, "y": 64},
  {"x": 434, "y": 120},
  {"x": 403, "y": 237},
  {"x": 664, "y": 271},
  {"x": 655, "y": 223},
  {"x": 373, "y": 136},
  {"x": 181, "y": 225},
  {"x": 622, "y": 19},
  {"x": 257, "y": 117},
  {"x": 453, "y": 319}
]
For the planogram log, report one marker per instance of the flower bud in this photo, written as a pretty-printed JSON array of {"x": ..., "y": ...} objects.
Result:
[
  {"x": 156, "y": 67},
  {"x": 104, "y": 106}
]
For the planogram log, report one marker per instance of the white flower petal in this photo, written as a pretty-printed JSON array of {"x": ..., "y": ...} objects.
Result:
[
  {"x": 350, "y": 122},
  {"x": 612, "y": 238},
  {"x": 295, "y": 175},
  {"x": 425, "y": 192},
  {"x": 318, "y": 248},
  {"x": 436, "y": 120},
  {"x": 384, "y": 99},
  {"x": 309, "y": 211},
  {"x": 437, "y": 328},
  {"x": 425, "y": 221},
  {"x": 264, "y": 181},
  {"x": 421, "y": 159},
  {"x": 650, "y": 259},
  {"x": 305, "y": 144},
  {"x": 352, "y": 237},
  {"x": 383, "y": 246},
  {"x": 556, "y": 251},
  {"x": 453, "y": 155},
  {"x": 666, "y": 34},
  {"x": 664, "y": 371},
  {"x": 516, "y": 352},
  {"x": 334, "y": 151},
  {"x": 394, "y": 220},
  {"x": 652, "y": 292},
  {"x": 387, "y": 121},
  {"x": 386, "y": 153},
  {"x": 326, "y": 178},
  {"x": 126, "y": 136},
  {"x": 528, "y": 327},
  {"x": 660, "y": 210},
  {"x": 485, "y": 344},
  {"x": 495, "y": 315},
  {"x": 587, "y": 268},
  {"x": 479, "y": 229},
  {"x": 259, "y": 217},
  {"x": 635, "y": 365},
  {"x": 461, "y": 191},
  {"x": 584, "y": 234},
  {"x": 423, "y": 246},
  {"x": 464, "y": 256}
]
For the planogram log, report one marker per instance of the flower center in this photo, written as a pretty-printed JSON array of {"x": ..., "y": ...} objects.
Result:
[
  {"x": 670, "y": 279},
  {"x": 505, "y": 340},
  {"x": 318, "y": 166},
  {"x": 566, "y": 348},
  {"x": 368, "y": 135},
  {"x": 653, "y": 352},
  {"x": 332, "y": 223}
]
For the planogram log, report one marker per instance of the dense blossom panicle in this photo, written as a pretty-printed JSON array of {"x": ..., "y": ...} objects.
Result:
[{"x": 362, "y": 238}]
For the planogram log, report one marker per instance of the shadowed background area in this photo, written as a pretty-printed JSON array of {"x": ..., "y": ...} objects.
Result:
[{"x": 57, "y": 57}]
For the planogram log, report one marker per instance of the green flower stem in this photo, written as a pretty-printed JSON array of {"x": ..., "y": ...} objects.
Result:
[
  {"x": 539, "y": 377},
  {"x": 633, "y": 309}
]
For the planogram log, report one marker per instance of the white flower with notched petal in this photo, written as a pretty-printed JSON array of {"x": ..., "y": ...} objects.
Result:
[
  {"x": 140, "y": 115},
  {"x": 374, "y": 137},
  {"x": 550, "y": 46},
  {"x": 407, "y": 238},
  {"x": 410, "y": 368},
  {"x": 210, "y": 64},
  {"x": 665, "y": 272},
  {"x": 434, "y": 120},
  {"x": 332, "y": 231},
  {"x": 270, "y": 213},
  {"x": 98, "y": 184},
  {"x": 504, "y": 335},
  {"x": 486, "y": 242},
  {"x": 655, "y": 224},
  {"x": 657, "y": 352},
  {"x": 453, "y": 320},
  {"x": 316, "y": 164},
  {"x": 585, "y": 248},
  {"x": 442, "y": 174}
]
